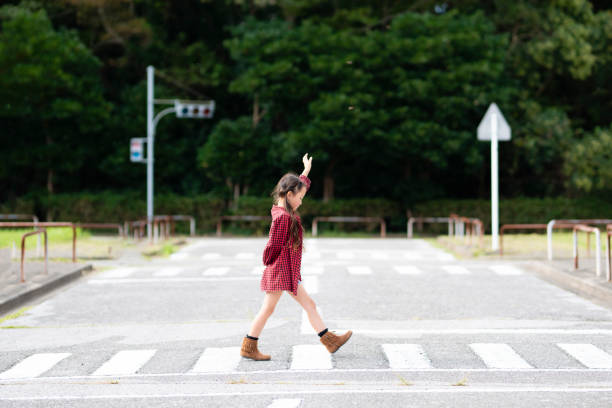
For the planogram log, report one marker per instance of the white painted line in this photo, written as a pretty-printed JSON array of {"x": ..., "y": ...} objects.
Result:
[
  {"x": 306, "y": 327},
  {"x": 245, "y": 255},
  {"x": 222, "y": 270},
  {"x": 125, "y": 362},
  {"x": 310, "y": 357},
  {"x": 34, "y": 365},
  {"x": 312, "y": 270},
  {"x": 178, "y": 256},
  {"x": 379, "y": 255},
  {"x": 273, "y": 393},
  {"x": 412, "y": 255},
  {"x": 118, "y": 273},
  {"x": 285, "y": 403},
  {"x": 359, "y": 270},
  {"x": 169, "y": 271},
  {"x": 170, "y": 280},
  {"x": 345, "y": 255},
  {"x": 221, "y": 359},
  {"x": 456, "y": 270},
  {"x": 408, "y": 270},
  {"x": 506, "y": 270},
  {"x": 258, "y": 270},
  {"x": 311, "y": 284},
  {"x": 413, "y": 332},
  {"x": 406, "y": 356},
  {"x": 588, "y": 354},
  {"x": 499, "y": 355},
  {"x": 210, "y": 256}
]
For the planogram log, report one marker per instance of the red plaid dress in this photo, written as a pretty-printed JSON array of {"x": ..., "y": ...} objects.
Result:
[{"x": 282, "y": 262}]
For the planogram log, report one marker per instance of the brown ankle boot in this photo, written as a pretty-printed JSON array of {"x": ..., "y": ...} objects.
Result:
[
  {"x": 249, "y": 350},
  {"x": 333, "y": 342}
]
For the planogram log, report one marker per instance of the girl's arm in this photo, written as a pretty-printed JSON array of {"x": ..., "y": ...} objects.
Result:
[
  {"x": 279, "y": 232},
  {"x": 307, "y": 164}
]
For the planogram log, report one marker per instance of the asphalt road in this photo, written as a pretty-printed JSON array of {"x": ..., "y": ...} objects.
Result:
[{"x": 429, "y": 331}]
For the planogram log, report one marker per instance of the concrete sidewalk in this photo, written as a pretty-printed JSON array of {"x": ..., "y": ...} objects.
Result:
[{"x": 13, "y": 293}]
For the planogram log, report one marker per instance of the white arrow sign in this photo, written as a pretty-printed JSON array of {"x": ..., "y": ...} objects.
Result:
[
  {"x": 494, "y": 127},
  {"x": 485, "y": 129}
]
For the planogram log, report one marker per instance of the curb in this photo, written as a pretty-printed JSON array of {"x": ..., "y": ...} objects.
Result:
[
  {"x": 28, "y": 294},
  {"x": 591, "y": 288}
]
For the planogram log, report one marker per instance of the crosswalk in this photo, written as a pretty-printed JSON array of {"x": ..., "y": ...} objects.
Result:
[
  {"x": 315, "y": 255},
  {"x": 398, "y": 356}
]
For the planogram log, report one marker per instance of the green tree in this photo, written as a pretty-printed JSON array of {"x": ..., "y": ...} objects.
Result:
[{"x": 589, "y": 163}]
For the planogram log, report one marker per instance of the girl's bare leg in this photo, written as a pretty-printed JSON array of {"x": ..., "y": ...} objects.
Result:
[
  {"x": 310, "y": 307},
  {"x": 269, "y": 303}
]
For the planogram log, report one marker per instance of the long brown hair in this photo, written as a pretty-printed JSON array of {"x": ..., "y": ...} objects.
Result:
[{"x": 290, "y": 182}]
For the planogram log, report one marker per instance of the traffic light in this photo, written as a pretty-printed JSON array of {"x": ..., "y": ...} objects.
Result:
[{"x": 194, "y": 109}]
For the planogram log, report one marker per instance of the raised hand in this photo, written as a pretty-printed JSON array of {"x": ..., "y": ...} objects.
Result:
[{"x": 307, "y": 164}]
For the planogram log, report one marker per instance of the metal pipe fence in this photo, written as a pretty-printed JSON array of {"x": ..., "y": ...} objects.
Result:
[
  {"x": 46, "y": 225},
  {"x": 588, "y": 229},
  {"x": 23, "y": 238}
]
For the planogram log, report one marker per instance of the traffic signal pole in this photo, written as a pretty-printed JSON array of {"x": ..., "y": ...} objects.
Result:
[{"x": 150, "y": 139}]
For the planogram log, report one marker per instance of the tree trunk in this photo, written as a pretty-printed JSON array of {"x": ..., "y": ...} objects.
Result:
[{"x": 236, "y": 196}]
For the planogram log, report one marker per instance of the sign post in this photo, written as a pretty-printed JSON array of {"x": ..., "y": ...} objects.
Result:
[{"x": 494, "y": 127}]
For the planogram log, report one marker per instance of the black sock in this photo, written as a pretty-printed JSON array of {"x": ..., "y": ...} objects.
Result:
[
  {"x": 322, "y": 333},
  {"x": 252, "y": 338}
]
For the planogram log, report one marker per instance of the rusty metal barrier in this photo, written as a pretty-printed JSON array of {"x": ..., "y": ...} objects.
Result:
[
  {"x": 473, "y": 226},
  {"x": 118, "y": 227},
  {"x": 37, "y": 232},
  {"x": 190, "y": 218},
  {"x": 46, "y": 225},
  {"x": 551, "y": 224},
  {"x": 383, "y": 225},
  {"x": 137, "y": 227},
  {"x": 18, "y": 217},
  {"x": 608, "y": 256},
  {"x": 506, "y": 227},
  {"x": 239, "y": 218},
  {"x": 588, "y": 229},
  {"x": 430, "y": 220}
]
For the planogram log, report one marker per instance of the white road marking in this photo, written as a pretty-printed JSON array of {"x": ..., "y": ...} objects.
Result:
[
  {"x": 499, "y": 355},
  {"x": 285, "y": 403},
  {"x": 170, "y": 280},
  {"x": 345, "y": 255},
  {"x": 218, "y": 271},
  {"x": 311, "y": 284},
  {"x": 118, "y": 273},
  {"x": 312, "y": 270},
  {"x": 408, "y": 270},
  {"x": 221, "y": 359},
  {"x": 310, "y": 357},
  {"x": 456, "y": 270},
  {"x": 210, "y": 256},
  {"x": 406, "y": 356},
  {"x": 258, "y": 270},
  {"x": 311, "y": 255},
  {"x": 169, "y": 271},
  {"x": 245, "y": 255},
  {"x": 506, "y": 270},
  {"x": 34, "y": 365},
  {"x": 125, "y": 362},
  {"x": 359, "y": 270},
  {"x": 588, "y": 354}
]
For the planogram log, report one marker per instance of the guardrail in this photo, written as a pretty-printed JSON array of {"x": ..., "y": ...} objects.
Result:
[
  {"x": 383, "y": 224},
  {"x": 191, "y": 219},
  {"x": 608, "y": 257},
  {"x": 588, "y": 229},
  {"x": 137, "y": 227},
  {"x": 551, "y": 223},
  {"x": 94, "y": 225},
  {"x": 37, "y": 232},
  {"x": 239, "y": 218},
  {"x": 506, "y": 227},
  {"x": 431, "y": 220},
  {"x": 46, "y": 225},
  {"x": 17, "y": 217},
  {"x": 474, "y": 227}
]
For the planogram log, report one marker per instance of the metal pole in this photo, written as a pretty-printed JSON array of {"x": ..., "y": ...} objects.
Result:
[
  {"x": 150, "y": 139},
  {"x": 494, "y": 186}
]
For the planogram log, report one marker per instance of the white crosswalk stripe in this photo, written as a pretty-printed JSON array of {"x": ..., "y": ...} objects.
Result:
[
  {"x": 285, "y": 403},
  {"x": 312, "y": 270},
  {"x": 506, "y": 270},
  {"x": 210, "y": 256},
  {"x": 406, "y": 356},
  {"x": 588, "y": 354},
  {"x": 118, "y": 273},
  {"x": 216, "y": 271},
  {"x": 169, "y": 271},
  {"x": 125, "y": 362},
  {"x": 34, "y": 365},
  {"x": 456, "y": 270},
  {"x": 310, "y": 357},
  {"x": 359, "y": 270},
  {"x": 220, "y": 359},
  {"x": 245, "y": 255},
  {"x": 499, "y": 355},
  {"x": 408, "y": 270},
  {"x": 258, "y": 270}
]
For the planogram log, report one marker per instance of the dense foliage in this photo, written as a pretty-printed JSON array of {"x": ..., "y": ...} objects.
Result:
[{"x": 386, "y": 95}]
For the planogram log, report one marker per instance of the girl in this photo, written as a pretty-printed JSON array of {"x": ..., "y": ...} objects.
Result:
[{"x": 282, "y": 257}]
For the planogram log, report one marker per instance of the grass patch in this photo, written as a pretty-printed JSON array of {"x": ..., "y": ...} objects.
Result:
[
  {"x": 54, "y": 235},
  {"x": 163, "y": 250}
]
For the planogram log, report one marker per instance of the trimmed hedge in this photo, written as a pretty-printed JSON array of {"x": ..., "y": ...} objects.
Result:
[{"x": 118, "y": 207}]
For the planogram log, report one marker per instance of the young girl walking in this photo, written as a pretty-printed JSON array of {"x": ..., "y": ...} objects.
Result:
[{"x": 282, "y": 257}]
